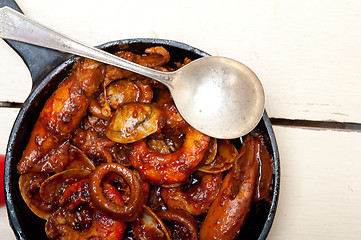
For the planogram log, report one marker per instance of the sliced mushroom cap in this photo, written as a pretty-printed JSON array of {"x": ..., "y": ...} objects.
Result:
[
  {"x": 135, "y": 121},
  {"x": 53, "y": 188},
  {"x": 224, "y": 159}
]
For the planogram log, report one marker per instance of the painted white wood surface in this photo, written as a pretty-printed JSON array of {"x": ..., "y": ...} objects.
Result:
[
  {"x": 7, "y": 116},
  {"x": 6, "y": 231},
  {"x": 320, "y": 186},
  {"x": 307, "y": 53}
]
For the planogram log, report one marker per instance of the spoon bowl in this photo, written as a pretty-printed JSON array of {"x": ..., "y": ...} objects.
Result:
[{"x": 218, "y": 96}]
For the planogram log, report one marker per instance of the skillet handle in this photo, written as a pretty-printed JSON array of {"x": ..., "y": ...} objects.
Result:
[{"x": 40, "y": 61}]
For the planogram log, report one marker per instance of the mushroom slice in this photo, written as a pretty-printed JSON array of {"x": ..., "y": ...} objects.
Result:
[
  {"x": 53, "y": 188},
  {"x": 149, "y": 226},
  {"x": 29, "y": 185},
  {"x": 135, "y": 121},
  {"x": 78, "y": 160},
  {"x": 224, "y": 159}
]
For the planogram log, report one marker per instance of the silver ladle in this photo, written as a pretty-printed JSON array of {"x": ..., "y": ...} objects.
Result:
[{"x": 216, "y": 95}]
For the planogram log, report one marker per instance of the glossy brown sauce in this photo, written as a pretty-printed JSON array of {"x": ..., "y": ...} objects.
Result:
[{"x": 110, "y": 157}]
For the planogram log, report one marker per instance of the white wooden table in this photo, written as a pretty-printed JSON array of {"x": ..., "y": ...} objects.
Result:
[{"x": 306, "y": 53}]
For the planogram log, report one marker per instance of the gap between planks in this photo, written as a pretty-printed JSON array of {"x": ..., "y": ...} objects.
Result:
[
  {"x": 346, "y": 126},
  {"x": 322, "y": 125}
]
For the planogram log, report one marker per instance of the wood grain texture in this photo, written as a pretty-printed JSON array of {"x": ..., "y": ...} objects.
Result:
[
  {"x": 6, "y": 232},
  {"x": 306, "y": 53},
  {"x": 320, "y": 185},
  {"x": 7, "y": 116},
  {"x": 15, "y": 81}
]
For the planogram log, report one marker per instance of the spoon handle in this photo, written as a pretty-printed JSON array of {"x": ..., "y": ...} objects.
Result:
[{"x": 16, "y": 26}]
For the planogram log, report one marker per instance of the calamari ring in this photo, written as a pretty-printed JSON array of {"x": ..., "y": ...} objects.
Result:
[
  {"x": 133, "y": 207},
  {"x": 174, "y": 167}
]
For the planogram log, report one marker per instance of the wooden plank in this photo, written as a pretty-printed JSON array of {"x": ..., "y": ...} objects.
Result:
[
  {"x": 307, "y": 53},
  {"x": 15, "y": 81},
  {"x": 6, "y": 231},
  {"x": 320, "y": 185},
  {"x": 7, "y": 116}
]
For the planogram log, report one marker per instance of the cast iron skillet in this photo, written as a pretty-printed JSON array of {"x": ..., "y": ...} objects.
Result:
[{"x": 48, "y": 68}]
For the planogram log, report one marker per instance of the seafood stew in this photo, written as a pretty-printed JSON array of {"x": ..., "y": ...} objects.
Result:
[{"x": 109, "y": 146}]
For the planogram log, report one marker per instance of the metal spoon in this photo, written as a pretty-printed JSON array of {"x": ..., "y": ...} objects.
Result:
[{"x": 216, "y": 95}]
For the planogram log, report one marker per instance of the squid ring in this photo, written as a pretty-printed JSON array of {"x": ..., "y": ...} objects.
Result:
[{"x": 133, "y": 207}]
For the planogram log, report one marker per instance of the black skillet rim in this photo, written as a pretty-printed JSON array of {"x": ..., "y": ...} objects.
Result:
[{"x": 31, "y": 102}]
